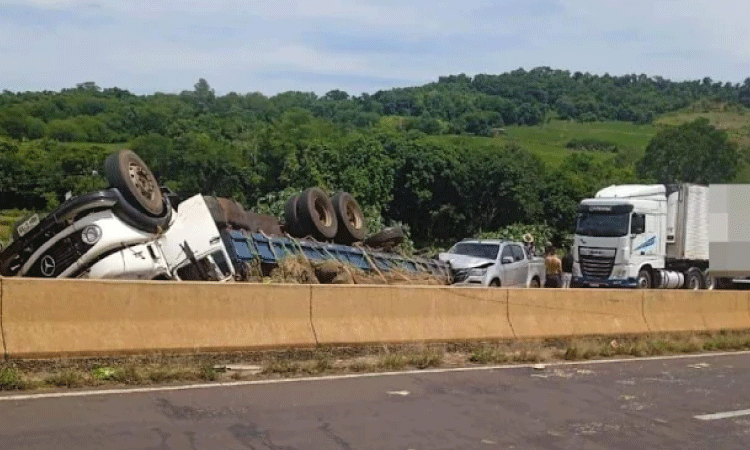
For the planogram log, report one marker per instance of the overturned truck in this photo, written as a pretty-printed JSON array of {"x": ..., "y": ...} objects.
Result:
[{"x": 134, "y": 230}]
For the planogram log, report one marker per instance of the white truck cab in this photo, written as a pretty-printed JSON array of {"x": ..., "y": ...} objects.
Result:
[
  {"x": 642, "y": 236},
  {"x": 191, "y": 249},
  {"x": 494, "y": 263}
]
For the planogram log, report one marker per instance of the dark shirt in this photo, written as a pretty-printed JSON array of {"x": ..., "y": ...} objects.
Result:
[{"x": 567, "y": 263}]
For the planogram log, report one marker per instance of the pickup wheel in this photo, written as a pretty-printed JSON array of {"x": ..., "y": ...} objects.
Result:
[
  {"x": 495, "y": 283},
  {"x": 534, "y": 283},
  {"x": 132, "y": 177}
]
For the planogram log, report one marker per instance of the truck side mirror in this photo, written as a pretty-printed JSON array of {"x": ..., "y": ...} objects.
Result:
[{"x": 507, "y": 260}]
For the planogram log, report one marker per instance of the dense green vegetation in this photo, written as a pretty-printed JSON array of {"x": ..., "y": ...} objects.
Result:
[{"x": 462, "y": 156}]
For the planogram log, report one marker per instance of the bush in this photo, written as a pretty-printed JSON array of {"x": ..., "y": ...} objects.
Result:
[{"x": 592, "y": 144}]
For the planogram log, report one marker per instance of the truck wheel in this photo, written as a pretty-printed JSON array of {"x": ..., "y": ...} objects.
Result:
[
  {"x": 694, "y": 279},
  {"x": 293, "y": 225},
  {"x": 386, "y": 239},
  {"x": 315, "y": 212},
  {"x": 534, "y": 283},
  {"x": 350, "y": 217},
  {"x": 644, "y": 279},
  {"x": 495, "y": 283},
  {"x": 132, "y": 177}
]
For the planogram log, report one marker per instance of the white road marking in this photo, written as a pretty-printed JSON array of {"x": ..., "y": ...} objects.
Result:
[
  {"x": 225, "y": 384},
  {"x": 401, "y": 393},
  {"x": 724, "y": 415}
]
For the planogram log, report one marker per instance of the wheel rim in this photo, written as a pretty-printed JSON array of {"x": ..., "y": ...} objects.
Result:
[
  {"x": 694, "y": 284},
  {"x": 322, "y": 212},
  {"x": 353, "y": 217},
  {"x": 643, "y": 282},
  {"x": 142, "y": 182}
]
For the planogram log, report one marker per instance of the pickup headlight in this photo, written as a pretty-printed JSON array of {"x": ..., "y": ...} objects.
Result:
[{"x": 477, "y": 272}]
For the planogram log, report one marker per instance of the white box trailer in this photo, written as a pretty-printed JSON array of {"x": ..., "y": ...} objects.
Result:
[{"x": 729, "y": 235}]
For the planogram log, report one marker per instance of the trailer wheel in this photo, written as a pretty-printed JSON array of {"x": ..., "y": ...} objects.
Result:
[
  {"x": 350, "y": 217},
  {"x": 386, "y": 239},
  {"x": 132, "y": 177},
  {"x": 644, "y": 279},
  {"x": 694, "y": 279},
  {"x": 315, "y": 211},
  {"x": 292, "y": 222}
]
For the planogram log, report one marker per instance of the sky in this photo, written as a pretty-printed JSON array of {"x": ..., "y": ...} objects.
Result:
[{"x": 271, "y": 46}]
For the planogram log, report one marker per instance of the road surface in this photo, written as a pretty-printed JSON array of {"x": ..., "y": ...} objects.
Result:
[{"x": 682, "y": 403}]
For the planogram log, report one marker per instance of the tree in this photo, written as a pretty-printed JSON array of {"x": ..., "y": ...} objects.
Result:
[{"x": 695, "y": 152}]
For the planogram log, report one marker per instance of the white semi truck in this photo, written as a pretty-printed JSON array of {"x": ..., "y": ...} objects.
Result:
[{"x": 644, "y": 236}]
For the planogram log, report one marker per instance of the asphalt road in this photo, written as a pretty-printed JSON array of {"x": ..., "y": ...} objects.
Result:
[{"x": 627, "y": 405}]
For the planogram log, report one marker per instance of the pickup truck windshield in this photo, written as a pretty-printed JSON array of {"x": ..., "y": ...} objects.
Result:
[
  {"x": 486, "y": 251},
  {"x": 602, "y": 224}
]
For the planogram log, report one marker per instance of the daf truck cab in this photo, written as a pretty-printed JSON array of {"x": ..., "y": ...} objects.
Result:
[{"x": 644, "y": 236}]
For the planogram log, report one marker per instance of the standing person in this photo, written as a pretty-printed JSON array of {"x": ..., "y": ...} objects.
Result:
[
  {"x": 554, "y": 268},
  {"x": 567, "y": 268},
  {"x": 528, "y": 242}
]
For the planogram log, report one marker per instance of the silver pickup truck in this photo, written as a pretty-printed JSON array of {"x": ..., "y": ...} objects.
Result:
[{"x": 494, "y": 263}]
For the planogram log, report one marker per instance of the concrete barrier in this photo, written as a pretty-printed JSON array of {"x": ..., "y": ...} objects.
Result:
[
  {"x": 41, "y": 318},
  {"x": 684, "y": 310},
  {"x": 387, "y": 314},
  {"x": 575, "y": 312},
  {"x": 70, "y": 317}
]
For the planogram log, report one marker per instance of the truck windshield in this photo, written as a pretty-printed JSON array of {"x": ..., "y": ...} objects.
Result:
[
  {"x": 486, "y": 251},
  {"x": 602, "y": 224}
]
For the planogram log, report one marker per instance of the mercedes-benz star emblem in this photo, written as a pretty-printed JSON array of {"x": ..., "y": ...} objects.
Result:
[{"x": 47, "y": 266}]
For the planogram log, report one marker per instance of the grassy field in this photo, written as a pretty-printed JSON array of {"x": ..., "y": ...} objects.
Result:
[
  {"x": 548, "y": 140},
  {"x": 733, "y": 119}
]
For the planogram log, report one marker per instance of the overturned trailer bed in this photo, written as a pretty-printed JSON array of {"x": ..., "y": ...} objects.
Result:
[{"x": 245, "y": 247}]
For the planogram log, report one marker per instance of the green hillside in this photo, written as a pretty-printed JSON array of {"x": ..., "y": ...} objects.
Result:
[{"x": 549, "y": 141}]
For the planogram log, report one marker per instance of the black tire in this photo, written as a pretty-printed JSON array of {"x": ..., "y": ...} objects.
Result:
[
  {"x": 315, "y": 213},
  {"x": 645, "y": 280},
  {"x": 293, "y": 225},
  {"x": 694, "y": 279},
  {"x": 495, "y": 283},
  {"x": 132, "y": 177},
  {"x": 388, "y": 238},
  {"x": 351, "y": 220},
  {"x": 534, "y": 283},
  {"x": 135, "y": 217}
]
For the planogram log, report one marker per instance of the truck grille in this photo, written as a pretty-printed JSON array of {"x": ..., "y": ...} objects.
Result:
[
  {"x": 596, "y": 263},
  {"x": 59, "y": 257}
]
